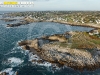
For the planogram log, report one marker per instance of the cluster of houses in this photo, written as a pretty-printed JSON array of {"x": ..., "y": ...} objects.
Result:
[{"x": 94, "y": 32}]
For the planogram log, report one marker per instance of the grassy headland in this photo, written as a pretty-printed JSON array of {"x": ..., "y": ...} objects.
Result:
[{"x": 80, "y": 51}]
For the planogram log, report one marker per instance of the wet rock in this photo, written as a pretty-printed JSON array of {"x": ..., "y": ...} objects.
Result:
[
  {"x": 16, "y": 73},
  {"x": 24, "y": 42},
  {"x": 4, "y": 73},
  {"x": 54, "y": 53},
  {"x": 18, "y": 24}
]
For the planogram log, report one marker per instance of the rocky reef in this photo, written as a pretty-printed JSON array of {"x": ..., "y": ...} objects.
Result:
[
  {"x": 17, "y": 24},
  {"x": 72, "y": 49},
  {"x": 24, "y": 21}
]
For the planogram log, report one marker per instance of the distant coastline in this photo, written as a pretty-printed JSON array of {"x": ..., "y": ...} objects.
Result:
[
  {"x": 61, "y": 22},
  {"x": 75, "y": 24},
  {"x": 74, "y": 18}
]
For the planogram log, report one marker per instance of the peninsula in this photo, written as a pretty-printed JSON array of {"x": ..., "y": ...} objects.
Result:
[{"x": 78, "y": 50}]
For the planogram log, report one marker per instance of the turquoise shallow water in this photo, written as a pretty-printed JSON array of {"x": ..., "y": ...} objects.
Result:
[{"x": 13, "y": 58}]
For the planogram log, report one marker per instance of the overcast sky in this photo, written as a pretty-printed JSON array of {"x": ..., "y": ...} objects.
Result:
[{"x": 59, "y": 5}]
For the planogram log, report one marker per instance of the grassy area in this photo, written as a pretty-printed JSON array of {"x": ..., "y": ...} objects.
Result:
[
  {"x": 96, "y": 41},
  {"x": 81, "y": 40},
  {"x": 85, "y": 41},
  {"x": 62, "y": 44}
]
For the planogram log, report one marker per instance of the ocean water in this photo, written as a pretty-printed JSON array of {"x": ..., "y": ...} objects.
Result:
[{"x": 13, "y": 59}]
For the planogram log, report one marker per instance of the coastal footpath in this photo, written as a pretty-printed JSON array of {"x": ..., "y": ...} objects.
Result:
[{"x": 77, "y": 50}]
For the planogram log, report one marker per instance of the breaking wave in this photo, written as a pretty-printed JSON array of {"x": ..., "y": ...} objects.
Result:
[
  {"x": 8, "y": 71},
  {"x": 13, "y": 61}
]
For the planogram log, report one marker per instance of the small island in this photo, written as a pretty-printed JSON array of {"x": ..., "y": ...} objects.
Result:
[{"x": 74, "y": 49}]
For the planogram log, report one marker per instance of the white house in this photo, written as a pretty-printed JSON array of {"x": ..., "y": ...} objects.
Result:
[{"x": 93, "y": 32}]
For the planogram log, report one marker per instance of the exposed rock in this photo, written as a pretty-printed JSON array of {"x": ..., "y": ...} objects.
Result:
[
  {"x": 4, "y": 73},
  {"x": 26, "y": 20},
  {"x": 16, "y": 73},
  {"x": 24, "y": 42},
  {"x": 60, "y": 39},
  {"x": 53, "y": 52},
  {"x": 18, "y": 24},
  {"x": 34, "y": 44}
]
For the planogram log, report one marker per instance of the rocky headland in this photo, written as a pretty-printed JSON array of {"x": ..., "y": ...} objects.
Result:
[{"x": 78, "y": 50}]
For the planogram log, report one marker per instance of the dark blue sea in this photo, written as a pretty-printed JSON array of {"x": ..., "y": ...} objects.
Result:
[{"x": 13, "y": 59}]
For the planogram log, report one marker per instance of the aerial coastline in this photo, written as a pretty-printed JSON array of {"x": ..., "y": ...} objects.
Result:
[
  {"x": 74, "y": 18},
  {"x": 80, "y": 50},
  {"x": 75, "y": 49}
]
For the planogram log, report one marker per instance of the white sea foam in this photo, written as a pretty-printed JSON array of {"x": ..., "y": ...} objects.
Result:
[
  {"x": 46, "y": 64},
  {"x": 35, "y": 60},
  {"x": 19, "y": 47},
  {"x": 26, "y": 52},
  {"x": 33, "y": 57},
  {"x": 9, "y": 71},
  {"x": 19, "y": 41},
  {"x": 15, "y": 50},
  {"x": 11, "y": 52},
  {"x": 13, "y": 61}
]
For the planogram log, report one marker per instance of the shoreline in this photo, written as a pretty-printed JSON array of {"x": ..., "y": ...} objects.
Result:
[
  {"x": 60, "y": 22},
  {"x": 53, "y": 52},
  {"x": 73, "y": 24},
  {"x": 77, "y": 18}
]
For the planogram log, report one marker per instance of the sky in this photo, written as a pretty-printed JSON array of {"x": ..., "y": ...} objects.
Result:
[{"x": 60, "y": 5}]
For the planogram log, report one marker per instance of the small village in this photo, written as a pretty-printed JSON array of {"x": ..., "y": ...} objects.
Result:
[
  {"x": 71, "y": 17},
  {"x": 95, "y": 32}
]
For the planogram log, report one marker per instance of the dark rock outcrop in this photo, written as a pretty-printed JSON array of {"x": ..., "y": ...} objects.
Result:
[{"x": 18, "y": 24}]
